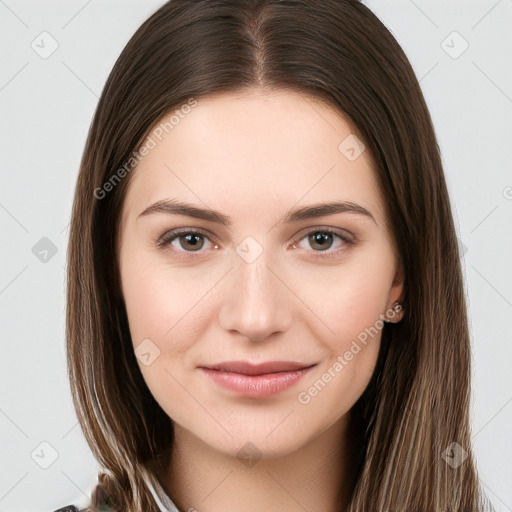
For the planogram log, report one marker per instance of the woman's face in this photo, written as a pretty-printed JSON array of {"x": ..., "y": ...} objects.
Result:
[{"x": 253, "y": 282}]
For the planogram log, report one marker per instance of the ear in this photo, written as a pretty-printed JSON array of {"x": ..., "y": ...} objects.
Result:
[
  {"x": 396, "y": 294},
  {"x": 397, "y": 287}
]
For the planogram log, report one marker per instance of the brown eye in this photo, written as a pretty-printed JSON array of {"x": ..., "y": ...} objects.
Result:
[
  {"x": 192, "y": 241},
  {"x": 183, "y": 241},
  {"x": 321, "y": 240},
  {"x": 318, "y": 242}
]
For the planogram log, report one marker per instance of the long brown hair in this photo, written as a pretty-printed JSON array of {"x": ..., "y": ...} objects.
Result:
[{"x": 416, "y": 405}]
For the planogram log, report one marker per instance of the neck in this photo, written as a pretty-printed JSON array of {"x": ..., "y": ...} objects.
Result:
[{"x": 318, "y": 477}]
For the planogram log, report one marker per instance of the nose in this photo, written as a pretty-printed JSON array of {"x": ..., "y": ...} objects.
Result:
[{"x": 257, "y": 301}]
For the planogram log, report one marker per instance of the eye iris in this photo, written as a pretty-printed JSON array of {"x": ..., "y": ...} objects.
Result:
[
  {"x": 320, "y": 238},
  {"x": 194, "y": 240}
]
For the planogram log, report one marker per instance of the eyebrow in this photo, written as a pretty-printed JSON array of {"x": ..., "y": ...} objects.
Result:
[{"x": 176, "y": 207}]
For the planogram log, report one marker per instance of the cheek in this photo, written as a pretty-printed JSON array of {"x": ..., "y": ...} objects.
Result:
[
  {"x": 163, "y": 306},
  {"x": 350, "y": 305},
  {"x": 351, "y": 299},
  {"x": 161, "y": 303},
  {"x": 352, "y": 356}
]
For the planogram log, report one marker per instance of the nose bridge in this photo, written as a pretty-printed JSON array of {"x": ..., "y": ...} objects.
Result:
[{"x": 256, "y": 304}]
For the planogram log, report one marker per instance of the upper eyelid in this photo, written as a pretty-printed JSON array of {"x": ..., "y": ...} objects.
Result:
[
  {"x": 175, "y": 233},
  {"x": 172, "y": 234}
]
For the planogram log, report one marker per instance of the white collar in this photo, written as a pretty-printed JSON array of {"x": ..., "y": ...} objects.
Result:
[{"x": 169, "y": 506}]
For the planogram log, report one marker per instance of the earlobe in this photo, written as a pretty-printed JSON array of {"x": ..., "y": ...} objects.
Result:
[{"x": 396, "y": 313}]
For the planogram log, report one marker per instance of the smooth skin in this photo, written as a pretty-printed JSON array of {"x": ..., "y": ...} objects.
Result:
[{"x": 253, "y": 157}]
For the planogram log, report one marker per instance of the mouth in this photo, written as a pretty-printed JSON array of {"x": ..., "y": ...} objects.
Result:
[{"x": 256, "y": 380}]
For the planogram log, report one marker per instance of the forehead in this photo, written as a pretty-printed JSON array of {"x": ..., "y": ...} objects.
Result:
[{"x": 265, "y": 150}]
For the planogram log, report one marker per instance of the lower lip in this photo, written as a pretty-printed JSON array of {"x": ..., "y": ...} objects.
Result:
[{"x": 256, "y": 386}]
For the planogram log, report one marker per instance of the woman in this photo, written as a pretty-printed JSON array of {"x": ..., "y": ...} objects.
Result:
[{"x": 265, "y": 299}]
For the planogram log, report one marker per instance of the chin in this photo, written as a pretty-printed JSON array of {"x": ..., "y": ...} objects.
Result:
[{"x": 261, "y": 436}]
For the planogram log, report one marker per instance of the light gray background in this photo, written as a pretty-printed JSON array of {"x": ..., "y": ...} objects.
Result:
[{"x": 46, "y": 108}]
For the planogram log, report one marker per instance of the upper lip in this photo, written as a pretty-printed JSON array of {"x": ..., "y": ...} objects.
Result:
[{"x": 247, "y": 368}]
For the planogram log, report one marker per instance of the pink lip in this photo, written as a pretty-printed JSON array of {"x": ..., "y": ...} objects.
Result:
[{"x": 256, "y": 381}]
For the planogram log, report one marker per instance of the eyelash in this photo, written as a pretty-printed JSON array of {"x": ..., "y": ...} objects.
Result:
[{"x": 165, "y": 240}]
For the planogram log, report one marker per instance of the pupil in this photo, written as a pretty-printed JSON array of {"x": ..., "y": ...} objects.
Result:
[
  {"x": 193, "y": 240},
  {"x": 319, "y": 238}
]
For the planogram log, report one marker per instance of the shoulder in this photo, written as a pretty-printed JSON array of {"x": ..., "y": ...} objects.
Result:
[
  {"x": 100, "y": 501},
  {"x": 73, "y": 508}
]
